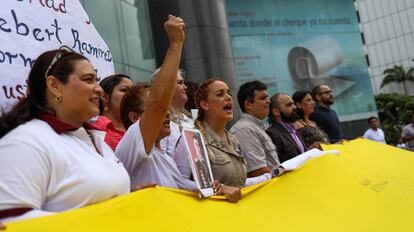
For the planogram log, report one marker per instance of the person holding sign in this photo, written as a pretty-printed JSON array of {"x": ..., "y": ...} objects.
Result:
[
  {"x": 215, "y": 103},
  {"x": 139, "y": 149},
  {"x": 179, "y": 116},
  {"x": 149, "y": 122},
  {"x": 52, "y": 160},
  {"x": 227, "y": 162}
]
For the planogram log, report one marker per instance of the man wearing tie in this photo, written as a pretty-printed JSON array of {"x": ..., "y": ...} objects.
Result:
[{"x": 282, "y": 115}]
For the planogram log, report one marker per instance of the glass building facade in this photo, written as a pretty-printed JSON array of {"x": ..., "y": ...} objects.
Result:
[
  {"x": 389, "y": 39},
  {"x": 125, "y": 27}
]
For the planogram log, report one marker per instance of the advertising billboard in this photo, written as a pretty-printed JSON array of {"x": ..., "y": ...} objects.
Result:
[{"x": 297, "y": 44}]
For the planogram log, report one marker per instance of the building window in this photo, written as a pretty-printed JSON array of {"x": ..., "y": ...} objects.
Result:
[{"x": 125, "y": 27}]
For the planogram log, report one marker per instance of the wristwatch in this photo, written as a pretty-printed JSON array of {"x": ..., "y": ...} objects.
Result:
[{"x": 278, "y": 171}]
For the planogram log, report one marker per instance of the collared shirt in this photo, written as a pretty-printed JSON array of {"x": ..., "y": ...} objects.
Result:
[
  {"x": 113, "y": 135},
  {"x": 226, "y": 160},
  {"x": 295, "y": 136},
  {"x": 376, "y": 135},
  {"x": 153, "y": 167},
  {"x": 408, "y": 130},
  {"x": 256, "y": 145},
  {"x": 227, "y": 163}
]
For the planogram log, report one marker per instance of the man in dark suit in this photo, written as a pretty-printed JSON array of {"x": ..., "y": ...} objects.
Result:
[{"x": 282, "y": 115}]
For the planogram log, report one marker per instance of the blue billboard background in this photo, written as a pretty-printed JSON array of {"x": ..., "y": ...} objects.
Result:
[{"x": 297, "y": 44}]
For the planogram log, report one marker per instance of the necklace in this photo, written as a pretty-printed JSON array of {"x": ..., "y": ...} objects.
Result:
[{"x": 93, "y": 142}]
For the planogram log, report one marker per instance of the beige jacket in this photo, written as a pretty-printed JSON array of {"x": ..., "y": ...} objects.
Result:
[{"x": 227, "y": 163}]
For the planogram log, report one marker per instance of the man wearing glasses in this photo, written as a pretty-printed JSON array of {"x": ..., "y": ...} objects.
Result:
[{"x": 324, "y": 116}]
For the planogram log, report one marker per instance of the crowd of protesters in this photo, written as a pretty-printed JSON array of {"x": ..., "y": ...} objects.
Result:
[{"x": 58, "y": 154}]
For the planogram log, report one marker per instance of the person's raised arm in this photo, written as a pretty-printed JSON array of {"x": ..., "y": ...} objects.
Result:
[{"x": 162, "y": 89}]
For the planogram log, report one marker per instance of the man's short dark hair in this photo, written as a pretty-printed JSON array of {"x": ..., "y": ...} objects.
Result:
[
  {"x": 316, "y": 91},
  {"x": 274, "y": 103},
  {"x": 370, "y": 118},
  {"x": 246, "y": 92}
]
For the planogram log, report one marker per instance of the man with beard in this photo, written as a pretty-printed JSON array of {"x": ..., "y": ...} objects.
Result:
[
  {"x": 282, "y": 115},
  {"x": 324, "y": 116}
]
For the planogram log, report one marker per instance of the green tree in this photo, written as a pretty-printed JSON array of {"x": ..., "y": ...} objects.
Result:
[
  {"x": 397, "y": 74},
  {"x": 394, "y": 111}
]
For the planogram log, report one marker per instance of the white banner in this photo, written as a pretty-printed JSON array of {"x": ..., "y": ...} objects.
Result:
[{"x": 31, "y": 27}]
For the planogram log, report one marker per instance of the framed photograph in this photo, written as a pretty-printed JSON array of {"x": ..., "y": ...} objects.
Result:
[{"x": 198, "y": 157}]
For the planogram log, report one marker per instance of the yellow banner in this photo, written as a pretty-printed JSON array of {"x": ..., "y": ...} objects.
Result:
[{"x": 368, "y": 187}]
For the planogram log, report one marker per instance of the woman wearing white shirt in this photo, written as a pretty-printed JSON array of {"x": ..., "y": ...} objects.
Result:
[
  {"x": 178, "y": 118},
  {"x": 140, "y": 148},
  {"x": 51, "y": 159}
]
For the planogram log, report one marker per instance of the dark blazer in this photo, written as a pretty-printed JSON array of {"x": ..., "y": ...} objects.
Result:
[{"x": 285, "y": 144}]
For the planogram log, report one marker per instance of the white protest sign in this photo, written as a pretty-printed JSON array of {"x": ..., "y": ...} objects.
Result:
[{"x": 31, "y": 27}]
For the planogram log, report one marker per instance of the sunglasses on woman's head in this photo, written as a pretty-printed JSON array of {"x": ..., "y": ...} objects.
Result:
[{"x": 62, "y": 50}]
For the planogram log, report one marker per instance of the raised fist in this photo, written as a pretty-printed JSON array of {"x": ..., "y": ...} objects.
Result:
[{"x": 174, "y": 26}]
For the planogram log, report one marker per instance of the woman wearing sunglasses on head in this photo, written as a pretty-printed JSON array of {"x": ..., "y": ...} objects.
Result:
[{"x": 51, "y": 159}]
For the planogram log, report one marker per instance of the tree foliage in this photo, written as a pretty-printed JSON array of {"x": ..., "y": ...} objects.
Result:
[
  {"x": 394, "y": 111},
  {"x": 397, "y": 74}
]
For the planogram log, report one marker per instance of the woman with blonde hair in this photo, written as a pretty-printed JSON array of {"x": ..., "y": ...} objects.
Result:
[{"x": 215, "y": 111}]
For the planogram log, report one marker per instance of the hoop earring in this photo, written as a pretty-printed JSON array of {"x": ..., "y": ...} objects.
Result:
[{"x": 58, "y": 99}]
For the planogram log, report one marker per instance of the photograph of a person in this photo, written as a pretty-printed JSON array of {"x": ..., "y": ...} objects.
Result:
[{"x": 198, "y": 158}]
